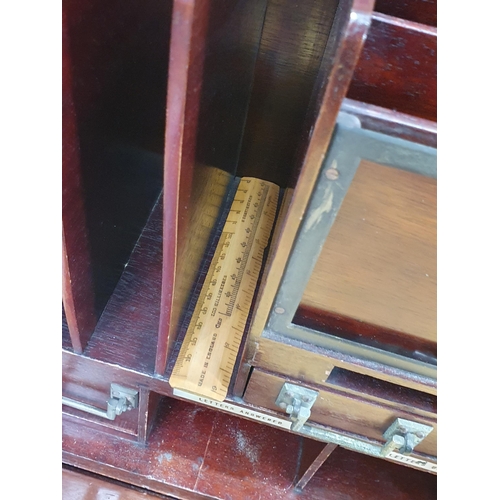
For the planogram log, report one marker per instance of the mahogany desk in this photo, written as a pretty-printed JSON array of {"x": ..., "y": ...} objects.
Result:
[{"x": 165, "y": 103}]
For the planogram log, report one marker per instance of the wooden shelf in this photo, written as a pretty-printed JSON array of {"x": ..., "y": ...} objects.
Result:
[{"x": 195, "y": 452}]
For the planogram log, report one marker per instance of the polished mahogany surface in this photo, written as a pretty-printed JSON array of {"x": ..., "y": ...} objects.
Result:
[
  {"x": 213, "y": 49},
  {"x": 397, "y": 68},
  {"x": 418, "y": 11},
  {"x": 77, "y": 287},
  {"x": 78, "y": 484},
  {"x": 66, "y": 340},
  {"x": 195, "y": 452},
  {"x": 118, "y": 89},
  {"x": 293, "y": 43},
  {"x": 126, "y": 333},
  {"x": 252, "y": 85}
]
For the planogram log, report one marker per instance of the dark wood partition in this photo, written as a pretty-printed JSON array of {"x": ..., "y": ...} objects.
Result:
[
  {"x": 397, "y": 69},
  {"x": 78, "y": 294},
  {"x": 118, "y": 88},
  {"x": 189, "y": 22},
  {"x": 214, "y": 46},
  {"x": 418, "y": 11},
  {"x": 115, "y": 67},
  {"x": 291, "y": 53},
  {"x": 334, "y": 73}
]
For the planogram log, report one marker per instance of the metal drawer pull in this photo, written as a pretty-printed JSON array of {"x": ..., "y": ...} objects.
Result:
[
  {"x": 366, "y": 447},
  {"x": 297, "y": 401},
  {"x": 403, "y": 435},
  {"x": 121, "y": 399}
]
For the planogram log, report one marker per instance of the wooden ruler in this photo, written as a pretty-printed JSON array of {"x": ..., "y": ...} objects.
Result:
[{"x": 208, "y": 353}]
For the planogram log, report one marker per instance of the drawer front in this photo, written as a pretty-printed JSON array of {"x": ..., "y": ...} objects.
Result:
[
  {"x": 343, "y": 409},
  {"x": 86, "y": 382}
]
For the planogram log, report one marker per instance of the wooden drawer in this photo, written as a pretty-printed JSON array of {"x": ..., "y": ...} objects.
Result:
[
  {"x": 88, "y": 382},
  {"x": 359, "y": 284},
  {"x": 354, "y": 405}
]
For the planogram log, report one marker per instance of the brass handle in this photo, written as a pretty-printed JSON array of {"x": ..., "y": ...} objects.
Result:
[{"x": 121, "y": 399}]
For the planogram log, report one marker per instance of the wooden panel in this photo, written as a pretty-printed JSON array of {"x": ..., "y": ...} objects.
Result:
[
  {"x": 352, "y": 329},
  {"x": 148, "y": 407},
  {"x": 418, "y": 11},
  {"x": 293, "y": 42},
  {"x": 372, "y": 478},
  {"x": 120, "y": 81},
  {"x": 393, "y": 123},
  {"x": 119, "y": 90},
  {"x": 233, "y": 38},
  {"x": 343, "y": 48},
  {"x": 119, "y": 94},
  {"x": 310, "y": 364},
  {"x": 96, "y": 393},
  {"x": 200, "y": 451},
  {"x": 378, "y": 390},
  {"x": 189, "y": 24},
  {"x": 66, "y": 339},
  {"x": 126, "y": 334},
  {"x": 398, "y": 68},
  {"x": 339, "y": 411},
  {"x": 80, "y": 485},
  {"x": 212, "y": 57},
  {"x": 370, "y": 385},
  {"x": 194, "y": 452},
  {"x": 378, "y": 264},
  {"x": 77, "y": 287}
]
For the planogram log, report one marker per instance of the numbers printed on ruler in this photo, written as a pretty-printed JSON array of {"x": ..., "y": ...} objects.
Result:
[{"x": 208, "y": 354}]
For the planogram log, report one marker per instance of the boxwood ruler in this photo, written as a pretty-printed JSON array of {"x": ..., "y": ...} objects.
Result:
[{"x": 208, "y": 353}]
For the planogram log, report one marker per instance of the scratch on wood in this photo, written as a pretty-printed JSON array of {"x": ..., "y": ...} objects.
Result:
[
  {"x": 316, "y": 214},
  {"x": 205, "y": 453}
]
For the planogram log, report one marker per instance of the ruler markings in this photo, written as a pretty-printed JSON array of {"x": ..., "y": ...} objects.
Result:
[{"x": 208, "y": 353}]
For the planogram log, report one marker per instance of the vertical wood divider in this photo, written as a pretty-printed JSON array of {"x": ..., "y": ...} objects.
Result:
[
  {"x": 312, "y": 458},
  {"x": 187, "y": 44},
  {"x": 78, "y": 297},
  {"x": 350, "y": 27}
]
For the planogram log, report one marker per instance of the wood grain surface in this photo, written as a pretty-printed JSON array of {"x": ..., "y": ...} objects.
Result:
[
  {"x": 196, "y": 453},
  {"x": 341, "y": 53},
  {"x": 418, "y": 11},
  {"x": 118, "y": 88},
  {"x": 306, "y": 362},
  {"x": 291, "y": 49},
  {"x": 378, "y": 264},
  {"x": 302, "y": 74},
  {"x": 393, "y": 123},
  {"x": 77, "y": 285},
  {"x": 213, "y": 48},
  {"x": 398, "y": 67},
  {"x": 127, "y": 331},
  {"x": 81, "y": 485},
  {"x": 347, "y": 412},
  {"x": 368, "y": 334}
]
